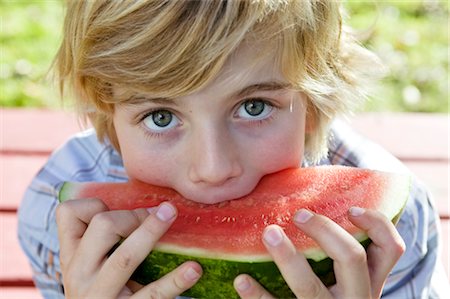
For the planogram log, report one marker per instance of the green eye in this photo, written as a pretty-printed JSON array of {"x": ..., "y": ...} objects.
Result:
[
  {"x": 254, "y": 107},
  {"x": 162, "y": 118}
]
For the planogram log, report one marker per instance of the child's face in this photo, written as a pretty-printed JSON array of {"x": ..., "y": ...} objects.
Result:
[{"x": 217, "y": 143}]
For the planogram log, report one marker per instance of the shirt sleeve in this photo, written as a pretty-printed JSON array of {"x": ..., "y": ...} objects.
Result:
[
  {"x": 39, "y": 239},
  {"x": 82, "y": 158}
]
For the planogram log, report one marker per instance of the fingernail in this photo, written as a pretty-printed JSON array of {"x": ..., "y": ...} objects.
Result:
[
  {"x": 356, "y": 211},
  {"x": 303, "y": 216},
  {"x": 191, "y": 274},
  {"x": 165, "y": 212},
  {"x": 243, "y": 284},
  {"x": 273, "y": 236}
]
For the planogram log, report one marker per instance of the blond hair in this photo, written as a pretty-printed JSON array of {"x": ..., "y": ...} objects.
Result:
[{"x": 173, "y": 48}]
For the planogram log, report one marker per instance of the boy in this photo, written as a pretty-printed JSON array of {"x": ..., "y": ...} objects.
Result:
[{"x": 206, "y": 97}]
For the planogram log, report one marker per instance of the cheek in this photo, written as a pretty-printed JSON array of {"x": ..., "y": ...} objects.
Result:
[
  {"x": 281, "y": 152},
  {"x": 143, "y": 161},
  {"x": 150, "y": 167},
  {"x": 280, "y": 149}
]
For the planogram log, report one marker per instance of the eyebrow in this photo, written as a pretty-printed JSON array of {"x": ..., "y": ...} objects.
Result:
[
  {"x": 263, "y": 86},
  {"x": 140, "y": 99}
]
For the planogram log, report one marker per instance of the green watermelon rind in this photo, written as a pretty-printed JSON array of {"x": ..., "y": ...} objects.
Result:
[{"x": 67, "y": 190}]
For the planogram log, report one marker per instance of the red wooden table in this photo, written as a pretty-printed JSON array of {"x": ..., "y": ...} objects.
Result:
[{"x": 29, "y": 136}]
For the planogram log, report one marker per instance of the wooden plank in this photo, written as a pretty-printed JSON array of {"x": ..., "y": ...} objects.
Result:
[
  {"x": 20, "y": 293},
  {"x": 15, "y": 269},
  {"x": 409, "y": 136},
  {"x": 16, "y": 173},
  {"x": 35, "y": 131},
  {"x": 435, "y": 175}
]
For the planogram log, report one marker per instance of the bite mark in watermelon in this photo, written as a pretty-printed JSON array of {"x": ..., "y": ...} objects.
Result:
[{"x": 225, "y": 238}]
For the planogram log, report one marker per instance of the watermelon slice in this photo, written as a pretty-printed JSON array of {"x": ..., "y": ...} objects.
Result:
[{"x": 225, "y": 238}]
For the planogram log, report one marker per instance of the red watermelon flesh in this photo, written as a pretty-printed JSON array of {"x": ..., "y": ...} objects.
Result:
[{"x": 232, "y": 230}]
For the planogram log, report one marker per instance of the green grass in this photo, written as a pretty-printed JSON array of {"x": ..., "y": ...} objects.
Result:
[
  {"x": 29, "y": 38},
  {"x": 411, "y": 37}
]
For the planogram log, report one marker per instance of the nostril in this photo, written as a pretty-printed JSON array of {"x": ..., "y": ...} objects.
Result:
[{"x": 215, "y": 174}]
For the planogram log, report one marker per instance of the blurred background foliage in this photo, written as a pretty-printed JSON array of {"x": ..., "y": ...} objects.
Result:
[{"x": 411, "y": 38}]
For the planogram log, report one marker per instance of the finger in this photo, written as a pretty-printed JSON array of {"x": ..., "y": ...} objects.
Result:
[
  {"x": 72, "y": 218},
  {"x": 349, "y": 257},
  {"x": 172, "y": 284},
  {"x": 104, "y": 231},
  {"x": 293, "y": 266},
  {"x": 131, "y": 288},
  {"x": 386, "y": 248},
  {"x": 117, "y": 269},
  {"x": 248, "y": 288}
]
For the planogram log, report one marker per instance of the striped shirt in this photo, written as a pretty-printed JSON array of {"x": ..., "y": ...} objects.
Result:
[{"x": 418, "y": 273}]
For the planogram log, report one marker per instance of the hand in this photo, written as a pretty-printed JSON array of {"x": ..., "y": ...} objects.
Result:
[
  {"x": 88, "y": 231},
  {"x": 358, "y": 275}
]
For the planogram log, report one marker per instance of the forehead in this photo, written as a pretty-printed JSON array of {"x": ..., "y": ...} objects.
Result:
[{"x": 250, "y": 63}]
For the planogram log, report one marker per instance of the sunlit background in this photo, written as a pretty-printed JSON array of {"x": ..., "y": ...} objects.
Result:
[{"x": 411, "y": 37}]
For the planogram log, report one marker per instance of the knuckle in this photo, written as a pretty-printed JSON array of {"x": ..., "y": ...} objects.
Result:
[
  {"x": 102, "y": 221},
  {"x": 179, "y": 283},
  {"x": 124, "y": 260},
  {"x": 155, "y": 295},
  {"x": 63, "y": 210},
  {"x": 169, "y": 286},
  {"x": 355, "y": 254},
  {"x": 399, "y": 247},
  {"x": 309, "y": 290}
]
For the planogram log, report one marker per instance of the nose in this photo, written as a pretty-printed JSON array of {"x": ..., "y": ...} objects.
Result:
[{"x": 214, "y": 157}]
